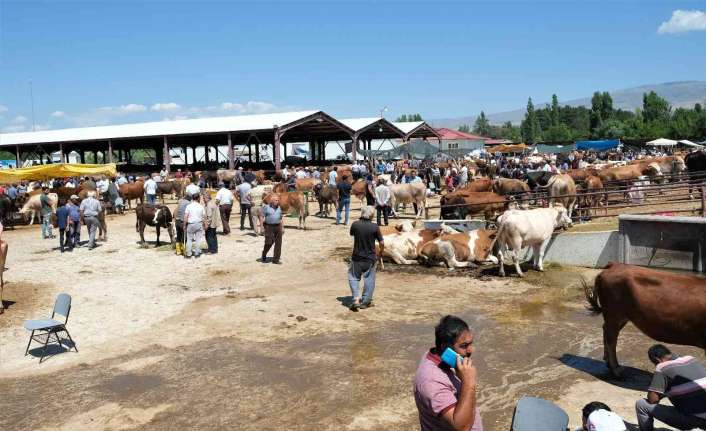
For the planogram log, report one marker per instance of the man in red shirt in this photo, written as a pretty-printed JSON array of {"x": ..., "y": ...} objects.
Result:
[{"x": 445, "y": 396}]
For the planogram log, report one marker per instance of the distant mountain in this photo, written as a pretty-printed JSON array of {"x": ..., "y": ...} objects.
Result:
[{"x": 679, "y": 94}]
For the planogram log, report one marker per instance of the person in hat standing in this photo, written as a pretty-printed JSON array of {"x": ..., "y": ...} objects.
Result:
[
  {"x": 224, "y": 201},
  {"x": 73, "y": 236}
]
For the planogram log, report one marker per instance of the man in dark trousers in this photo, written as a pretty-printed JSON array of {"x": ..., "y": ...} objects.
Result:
[
  {"x": 364, "y": 233},
  {"x": 271, "y": 218}
]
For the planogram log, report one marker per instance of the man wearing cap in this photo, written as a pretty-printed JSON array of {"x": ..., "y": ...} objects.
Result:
[
  {"x": 224, "y": 200},
  {"x": 194, "y": 222},
  {"x": 90, "y": 208},
  {"x": 62, "y": 221}
]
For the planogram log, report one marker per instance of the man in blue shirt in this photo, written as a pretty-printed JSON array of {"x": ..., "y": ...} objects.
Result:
[
  {"x": 12, "y": 192},
  {"x": 271, "y": 218},
  {"x": 74, "y": 227},
  {"x": 344, "y": 199},
  {"x": 62, "y": 221}
]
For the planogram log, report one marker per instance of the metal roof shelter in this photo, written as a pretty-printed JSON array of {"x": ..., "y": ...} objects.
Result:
[
  {"x": 417, "y": 129},
  {"x": 314, "y": 127}
]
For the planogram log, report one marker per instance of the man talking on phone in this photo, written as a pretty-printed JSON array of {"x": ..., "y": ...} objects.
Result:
[{"x": 446, "y": 395}]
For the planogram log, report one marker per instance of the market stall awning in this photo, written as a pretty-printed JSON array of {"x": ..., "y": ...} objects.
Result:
[
  {"x": 662, "y": 142},
  {"x": 600, "y": 145},
  {"x": 688, "y": 143},
  {"x": 554, "y": 149},
  {"x": 57, "y": 170},
  {"x": 517, "y": 148}
]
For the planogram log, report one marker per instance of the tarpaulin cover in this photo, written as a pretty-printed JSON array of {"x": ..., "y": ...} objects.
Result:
[
  {"x": 607, "y": 144},
  {"x": 56, "y": 170},
  {"x": 555, "y": 149},
  {"x": 502, "y": 148}
]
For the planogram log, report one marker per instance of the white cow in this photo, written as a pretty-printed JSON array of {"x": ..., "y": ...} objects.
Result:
[
  {"x": 411, "y": 193},
  {"x": 403, "y": 245},
  {"x": 521, "y": 228},
  {"x": 33, "y": 206}
]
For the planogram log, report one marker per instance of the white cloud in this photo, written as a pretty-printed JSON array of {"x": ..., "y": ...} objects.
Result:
[
  {"x": 176, "y": 118},
  {"x": 17, "y": 128},
  {"x": 58, "y": 114},
  {"x": 130, "y": 108},
  {"x": 250, "y": 107},
  {"x": 683, "y": 21},
  {"x": 3, "y": 108},
  {"x": 20, "y": 119},
  {"x": 228, "y": 106},
  {"x": 171, "y": 106}
]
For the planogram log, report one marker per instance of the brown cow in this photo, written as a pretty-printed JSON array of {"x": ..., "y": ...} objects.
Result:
[
  {"x": 511, "y": 187},
  {"x": 65, "y": 193},
  {"x": 131, "y": 191},
  {"x": 171, "y": 187},
  {"x": 593, "y": 184},
  {"x": 668, "y": 307},
  {"x": 459, "y": 205},
  {"x": 580, "y": 175},
  {"x": 480, "y": 184},
  {"x": 326, "y": 195},
  {"x": 291, "y": 202},
  {"x": 260, "y": 176},
  {"x": 306, "y": 184},
  {"x": 629, "y": 172},
  {"x": 461, "y": 249}
]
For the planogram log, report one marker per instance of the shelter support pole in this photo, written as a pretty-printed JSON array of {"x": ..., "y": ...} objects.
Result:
[
  {"x": 206, "y": 154},
  {"x": 249, "y": 151},
  {"x": 277, "y": 150},
  {"x": 257, "y": 152},
  {"x": 354, "y": 147},
  {"x": 323, "y": 150},
  {"x": 110, "y": 151},
  {"x": 231, "y": 153},
  {"x": 186, "y": 155},
  {"x": 62, "y": 156},
  {"x": 18, "y": 157},
  {"x": 193, "y": 155},
  {"x": 82, "y": 154},
  {"x": 312, "y": 150},
  {"x": 166, "y": 156}
]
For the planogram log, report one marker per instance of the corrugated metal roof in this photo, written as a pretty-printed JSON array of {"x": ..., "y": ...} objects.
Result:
[
  {"x": 407, "y": 126},
  {"x": 240, "y": 123},
  {"x": 359, "y": 123},
  {"x": 450, "y": 134}
]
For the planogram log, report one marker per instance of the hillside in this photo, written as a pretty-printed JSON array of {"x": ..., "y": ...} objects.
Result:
[{"x": 685, "y": 93}]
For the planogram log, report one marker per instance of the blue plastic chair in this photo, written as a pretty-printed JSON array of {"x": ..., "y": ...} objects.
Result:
[
  {"x": 536, "y": 414},
  {"x": 45, "y": 328}
]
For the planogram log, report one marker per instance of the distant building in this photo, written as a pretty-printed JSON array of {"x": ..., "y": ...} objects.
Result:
[{"x": 455, "y": 142}]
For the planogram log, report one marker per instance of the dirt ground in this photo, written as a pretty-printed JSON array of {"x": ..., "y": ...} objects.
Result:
[{"x": 227, "y": 342}]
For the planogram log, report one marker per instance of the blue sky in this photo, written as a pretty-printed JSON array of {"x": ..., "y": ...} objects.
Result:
[{"x": 99, "y": 62}]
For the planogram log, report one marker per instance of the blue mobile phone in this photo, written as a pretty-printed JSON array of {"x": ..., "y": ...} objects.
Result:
[{"x": 449, "y": 357}]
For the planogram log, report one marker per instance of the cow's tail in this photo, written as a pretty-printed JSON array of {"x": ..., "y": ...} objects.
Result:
[{"x": 591, "y": 292}]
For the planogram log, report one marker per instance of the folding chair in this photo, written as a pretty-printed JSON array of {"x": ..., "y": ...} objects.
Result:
[
  {"x": 45, "y": 328},
  {"x": 536, "y": 414}
]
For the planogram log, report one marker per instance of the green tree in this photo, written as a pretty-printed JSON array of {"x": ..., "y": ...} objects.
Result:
[
  {"x": 465, "y": 128},
  {"x": 555, "y": 116},
  {"x": 655, "y": 108},
  {"x": 684, "y": 124},
  {"x": 530, "y": 128},
  {"x": 558, "y": 133},
  {"x": 482, "y": 125}
]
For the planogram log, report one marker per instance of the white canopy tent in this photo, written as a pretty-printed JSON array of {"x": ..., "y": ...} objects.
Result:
[
  {"x": 688, "y": 143},
  {"x": 662, "y": 142}
]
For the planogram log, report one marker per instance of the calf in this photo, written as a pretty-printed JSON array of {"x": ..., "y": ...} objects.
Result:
[
  {"x": 521, "y": 228},
  {"x": 33, "y": 206},
  {"x": 290, "y": 203},
  {"x": 403, "y": 242},
  {"x": 158, "y": 216},
  {"x": 326, "y": 195},
  {"x": 414, "y": 193},
  {"x": 461, "y": 249},
  {"x": 131, "y": 191}
]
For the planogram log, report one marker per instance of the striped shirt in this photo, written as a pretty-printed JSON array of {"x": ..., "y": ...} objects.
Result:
[{"x": 683, "y": 381}]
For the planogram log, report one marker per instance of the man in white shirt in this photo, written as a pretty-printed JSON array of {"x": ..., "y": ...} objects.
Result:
[
  {"x": 301, "y": 174},
  {"x": 382, "y": 200},
  {"x": 193, "y": 189},
  {"x": 224, "y": 200},
  {"x": 102, "y": 186},
  {"x": 151, "y": 191},
  {"x": 194, "y": 227},
  {"x": 121, "y": 180},
  {"x": 332, "y": 176},
  {"x": 243, "y": 192}
]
